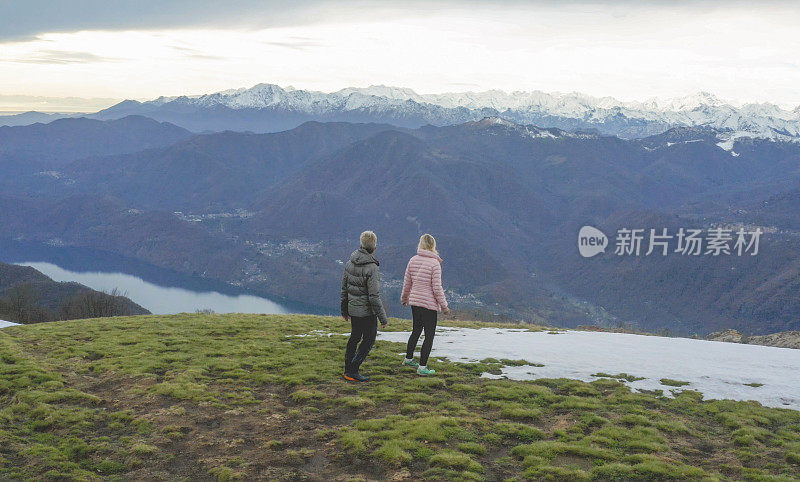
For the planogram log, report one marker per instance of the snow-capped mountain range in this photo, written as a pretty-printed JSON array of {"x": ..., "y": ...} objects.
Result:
[{"x": 281, "y": 107}]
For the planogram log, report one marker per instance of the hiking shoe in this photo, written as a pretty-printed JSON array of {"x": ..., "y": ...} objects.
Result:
[
  {"x": 355, "y": 377},
  {"x": 410, "y": 363},
  {"x": 425, "y": 371}
]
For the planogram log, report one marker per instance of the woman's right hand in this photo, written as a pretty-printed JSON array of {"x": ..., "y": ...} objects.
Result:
[{"x": 446, "y": 310}]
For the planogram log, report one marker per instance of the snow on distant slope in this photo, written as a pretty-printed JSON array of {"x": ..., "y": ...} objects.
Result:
[
  {"x": 700, "y": 110},
  {"x": 715, "y": 369},
  {"x": 5, "y": 324}
]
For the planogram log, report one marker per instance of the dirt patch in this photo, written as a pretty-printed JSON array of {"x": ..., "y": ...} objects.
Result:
[{"x": 573, "y": 461}]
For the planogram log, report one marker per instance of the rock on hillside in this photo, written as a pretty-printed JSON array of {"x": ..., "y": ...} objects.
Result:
[
  {"x": 728, "y": 336},
  {"x": 786, "y": 339}
]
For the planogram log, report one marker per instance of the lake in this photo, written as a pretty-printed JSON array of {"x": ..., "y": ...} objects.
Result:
[
  {"x": 160, "y": 290},
  {"x": 161, "y": 300}
]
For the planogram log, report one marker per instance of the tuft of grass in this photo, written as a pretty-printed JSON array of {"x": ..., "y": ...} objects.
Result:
[
  {"x": 620, "y": 376},
  {"x": 550, "y": 449},
  {"x": 393, "y": 453},
  {"x": 746, "y": 436},
  {"x": 297, "y": 457},
  {"x": 225, "y": 474},
  {"x": 673, "y": 383},
  {"x": 632, "y": 419},
  {"x": 519, "y": 363},
  {"x": 472, "y": 448},
  {"x": 305, "y": 396},
  {"x": 672, "y": 426},
  {"x": 449, "y": 459},
  {"x": 353, "y": 441},
  {"x": 635, "y": 439},
  {"x": 143, "y": 449},
  {"x": 549, "y": 472},
  {"x": 274, "y": 445}
]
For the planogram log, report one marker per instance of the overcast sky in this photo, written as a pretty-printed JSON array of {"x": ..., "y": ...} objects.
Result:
[{"x": 632, "y": 50}]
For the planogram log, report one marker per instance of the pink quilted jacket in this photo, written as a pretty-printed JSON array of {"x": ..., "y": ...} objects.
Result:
[{"x": 422, "y": 285}]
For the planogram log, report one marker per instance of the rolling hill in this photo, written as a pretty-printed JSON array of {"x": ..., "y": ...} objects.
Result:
[
  {"x": 54, "y": 144},
  {"x": 215, "y": 171},
  {"x": 249, "y": 396},
  {"x": 28, "y": 296}
]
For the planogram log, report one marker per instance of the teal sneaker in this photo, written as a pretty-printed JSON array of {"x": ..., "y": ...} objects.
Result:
[
  {"x": 410, "y": 363},
  {"x": 425, "y": 371}
]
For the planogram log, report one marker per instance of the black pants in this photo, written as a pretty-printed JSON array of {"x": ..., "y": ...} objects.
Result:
[
  {"x": 424, "y": 319},
  {"x": 363, "y": 329}
]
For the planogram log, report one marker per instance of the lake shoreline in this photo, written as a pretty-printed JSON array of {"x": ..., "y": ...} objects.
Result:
[{"x": 87, "y": 262}]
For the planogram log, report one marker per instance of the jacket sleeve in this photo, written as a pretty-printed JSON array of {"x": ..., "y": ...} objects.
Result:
[
  {"x": 407, "y": 280},
  {"x": 374, "y": 293},
  {"x": 345, "y": 311},
  {"x": 436, "y": 283}
]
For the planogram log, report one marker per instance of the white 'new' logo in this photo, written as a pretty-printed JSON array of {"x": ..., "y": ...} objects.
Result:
[{"x": 591, "y": 241}]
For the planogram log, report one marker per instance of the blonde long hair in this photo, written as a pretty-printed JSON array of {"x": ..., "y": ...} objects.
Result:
[{"x": 426, "y": 241}]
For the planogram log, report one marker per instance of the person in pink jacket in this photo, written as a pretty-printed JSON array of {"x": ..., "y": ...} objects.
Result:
[{"x": 422, "y": 289}]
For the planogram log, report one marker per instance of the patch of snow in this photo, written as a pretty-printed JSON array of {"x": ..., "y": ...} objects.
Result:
[
  {"x": 726, "y": 143},
  {"x": 6, "y": 324},
  {"x": 317, "y": 333},
  {"x": 715, "y": 369}
]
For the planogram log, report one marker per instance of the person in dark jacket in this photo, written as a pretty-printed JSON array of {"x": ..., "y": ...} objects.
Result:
[{"x": 361, "y": 304}]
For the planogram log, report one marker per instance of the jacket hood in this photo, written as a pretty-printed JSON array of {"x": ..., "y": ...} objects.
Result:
[
  {"x": 429, "y": 254},
  {"x": 361, "y": 257}
]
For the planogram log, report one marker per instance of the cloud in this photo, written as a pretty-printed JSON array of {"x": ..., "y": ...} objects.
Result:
[
  {"x": 296, "y": 43},
  {"x": 20, "y": 103},
  {"x": 61, "y": 57},
  {"x": 654, "y": 49},
  {"x": 25, "y": 20},
  {"x": 196, "y": 54}
]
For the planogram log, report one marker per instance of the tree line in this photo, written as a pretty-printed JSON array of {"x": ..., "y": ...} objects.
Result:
[{"x": 21, "y": 304}]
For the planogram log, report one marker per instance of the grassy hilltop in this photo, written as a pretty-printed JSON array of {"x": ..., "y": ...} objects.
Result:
[{"x": 220, "y": 397}]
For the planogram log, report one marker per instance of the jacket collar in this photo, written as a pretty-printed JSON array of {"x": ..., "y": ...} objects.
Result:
[
  {"x": 428, "y": 254},
  {"x": 362, "y": 256}
]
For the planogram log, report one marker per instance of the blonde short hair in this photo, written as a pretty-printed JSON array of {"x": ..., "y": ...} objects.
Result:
[
  {"x": 426, "y": 241},
  {"x": 369, "y": 241}
]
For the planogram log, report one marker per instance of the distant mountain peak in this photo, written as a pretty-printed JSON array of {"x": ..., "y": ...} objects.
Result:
[
  {"x": 531, "y": 131},
  {"x": 694, "y": 101},
  {"x": 494, "y": 121},
  {"x": 274, "y": 107}
]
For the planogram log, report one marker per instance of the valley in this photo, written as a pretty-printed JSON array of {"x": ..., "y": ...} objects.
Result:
[{"x": 276, "y": 213}]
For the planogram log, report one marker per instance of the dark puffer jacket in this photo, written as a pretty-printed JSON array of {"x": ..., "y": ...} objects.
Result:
[{"x": 361, "y": 287}]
